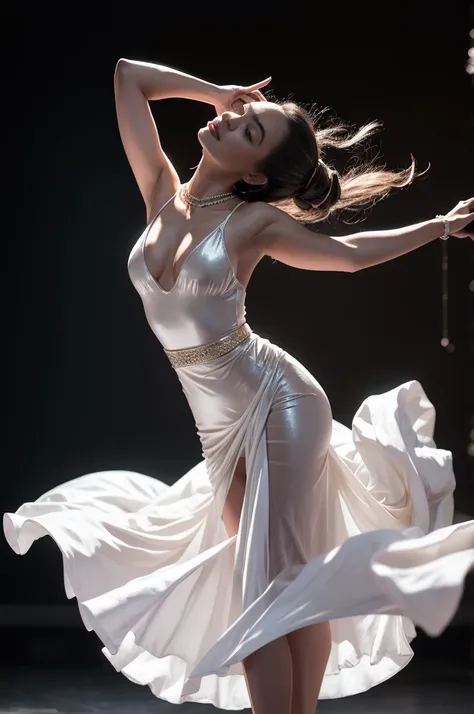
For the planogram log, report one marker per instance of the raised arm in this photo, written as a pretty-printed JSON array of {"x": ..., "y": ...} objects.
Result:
[
  {"x": 136, "y": 83},
  {"x": 283, "y": 238}
]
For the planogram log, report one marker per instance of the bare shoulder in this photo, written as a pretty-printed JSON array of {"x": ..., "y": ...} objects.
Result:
[
  {"x": 268, "y": 222},
  {"x": 258, "y": 227},
  {"x": 255, "y": 218},
  {"x": 283, "y": 238},
  {"x": 252, "y": 214},
  {"x": 264, "y": 215}
]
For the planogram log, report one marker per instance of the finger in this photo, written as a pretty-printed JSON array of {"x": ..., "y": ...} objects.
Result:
[
  {"x": 468, "y": 227},
  {"x": 467, "y": 219},
  {"x": 238, "y": 105},
  {"x": 259, "y": 85},
  {"x": 260, "y": 96},
  {"x": 255, "y": 96}
]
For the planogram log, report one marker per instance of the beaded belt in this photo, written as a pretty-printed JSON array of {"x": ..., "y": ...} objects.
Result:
[{"x": 213, "y": 350}]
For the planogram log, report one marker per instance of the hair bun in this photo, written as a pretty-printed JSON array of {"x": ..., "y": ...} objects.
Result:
[
  {"x": 336, "y": 190},
  {"x": 302, "y": 203},
  {"x": 322, "y": 191}
]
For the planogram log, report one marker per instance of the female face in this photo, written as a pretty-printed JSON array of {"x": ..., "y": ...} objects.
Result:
[{"x": 239, "y": 142}]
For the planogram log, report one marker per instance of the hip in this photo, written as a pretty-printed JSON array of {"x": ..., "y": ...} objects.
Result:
[{"x": 223, "y": 389}]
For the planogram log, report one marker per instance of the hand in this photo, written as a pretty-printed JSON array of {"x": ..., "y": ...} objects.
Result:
[
  {"x": 232, "y": 97},
  {"x": 459, "y": 217}
]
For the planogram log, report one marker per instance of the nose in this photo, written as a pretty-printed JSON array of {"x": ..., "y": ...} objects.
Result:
[{"x": 230, "y": 119}]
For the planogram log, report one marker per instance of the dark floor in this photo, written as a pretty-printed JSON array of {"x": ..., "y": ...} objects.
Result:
[
  {"x": 61, "y": 670},
  {"x": 87, "y": 691}
]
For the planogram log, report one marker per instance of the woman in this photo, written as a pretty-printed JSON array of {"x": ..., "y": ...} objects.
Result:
[{"x": 287, "y": 564}]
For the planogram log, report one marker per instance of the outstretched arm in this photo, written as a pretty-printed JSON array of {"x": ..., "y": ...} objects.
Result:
[
  {"x": 374, "y": 247},
  {"x": 283, "y": 238}
]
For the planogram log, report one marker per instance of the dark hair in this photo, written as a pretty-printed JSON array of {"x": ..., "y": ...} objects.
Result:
[{"x": 302, "y": 184}]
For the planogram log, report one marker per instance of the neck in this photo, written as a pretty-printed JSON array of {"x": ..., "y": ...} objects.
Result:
[{"x": 209, "y": 181}]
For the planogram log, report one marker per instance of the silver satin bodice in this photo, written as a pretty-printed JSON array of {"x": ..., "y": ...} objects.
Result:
[{"x": 205, "y": 303}]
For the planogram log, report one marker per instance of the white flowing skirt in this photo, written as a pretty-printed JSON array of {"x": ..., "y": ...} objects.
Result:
[{"x": 178, "y": 604}]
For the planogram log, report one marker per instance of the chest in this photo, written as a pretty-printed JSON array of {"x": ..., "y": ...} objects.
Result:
[{"x": 203, "y": 253}]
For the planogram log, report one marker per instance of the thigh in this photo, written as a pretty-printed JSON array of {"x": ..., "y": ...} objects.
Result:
[
  {"x": 298, "y": 434},
  {"x": 235, "y": 499}
]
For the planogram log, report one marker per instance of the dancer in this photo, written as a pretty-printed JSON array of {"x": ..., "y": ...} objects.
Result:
[{"x": 291, "y": 563}]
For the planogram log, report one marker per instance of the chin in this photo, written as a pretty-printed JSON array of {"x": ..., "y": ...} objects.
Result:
[
  {"x": 205, "y": 139},
  {"x": 200, "y": 135}
]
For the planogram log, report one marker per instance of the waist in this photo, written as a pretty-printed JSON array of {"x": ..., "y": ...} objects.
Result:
[{"x": 210, "y": 351}]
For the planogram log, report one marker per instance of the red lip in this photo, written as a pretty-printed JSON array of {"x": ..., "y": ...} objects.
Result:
[{"x": 213, "y": 128}]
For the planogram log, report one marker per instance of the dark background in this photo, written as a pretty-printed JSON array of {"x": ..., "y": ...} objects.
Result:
[{"x": 88, "y": 387}]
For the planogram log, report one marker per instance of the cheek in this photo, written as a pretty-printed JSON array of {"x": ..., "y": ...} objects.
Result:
[
  {"x": 232, "y": 151},
  {"x": 240, "y": 160},
  {"x": 241, "y": 150}
]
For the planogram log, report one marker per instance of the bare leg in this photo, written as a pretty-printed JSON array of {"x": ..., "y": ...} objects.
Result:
[
  {"x": 298, "y": 435},
  {"x": 284, "y": 677},
  {"x": 268, "y": 671},
  {"x": 310, "y": 648}
]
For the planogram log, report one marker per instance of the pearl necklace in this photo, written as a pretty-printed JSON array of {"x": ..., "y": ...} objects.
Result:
[{"x": 191, "y": 200}]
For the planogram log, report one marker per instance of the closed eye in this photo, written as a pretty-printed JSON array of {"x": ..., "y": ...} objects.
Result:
[
  {"x": 248, "y": 134},
  {"x": 249, "y": 109}
]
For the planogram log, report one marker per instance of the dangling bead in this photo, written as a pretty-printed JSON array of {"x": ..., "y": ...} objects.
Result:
[{"x": 445, "y": 341}]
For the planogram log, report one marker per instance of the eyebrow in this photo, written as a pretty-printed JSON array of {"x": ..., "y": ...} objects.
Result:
[{"x": 259, "y": 124}]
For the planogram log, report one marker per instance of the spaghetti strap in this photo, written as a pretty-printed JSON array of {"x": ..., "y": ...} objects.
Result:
[
  {"x": 162, "y": 208},
  {"x": 232, "y": 211}
]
